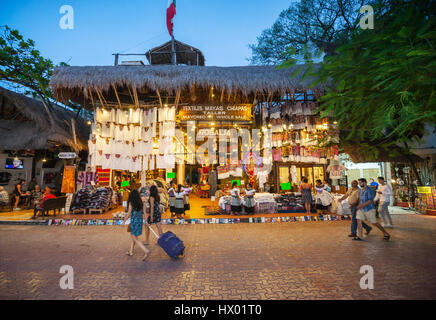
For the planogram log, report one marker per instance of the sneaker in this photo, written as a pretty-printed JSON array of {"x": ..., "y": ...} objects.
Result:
[
  {"x": 17, "y": 209},
  {"x": 351, "y": 235},
  {"x": 389, "y": 226}
]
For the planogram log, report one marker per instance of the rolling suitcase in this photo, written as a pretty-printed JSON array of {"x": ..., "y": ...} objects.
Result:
[{"x": 172, "y": 245}]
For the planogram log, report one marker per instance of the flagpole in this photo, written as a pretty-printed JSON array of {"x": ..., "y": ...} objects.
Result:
[{"x": 173, "y": 50}]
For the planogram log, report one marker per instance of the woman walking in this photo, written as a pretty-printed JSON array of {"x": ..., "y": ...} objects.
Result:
[
  {"x": 135, "y": 213},
  {"x": 180, "y": 201},
  {"x": 154, "y": 215},
  {"x": 306, "y": 192}
]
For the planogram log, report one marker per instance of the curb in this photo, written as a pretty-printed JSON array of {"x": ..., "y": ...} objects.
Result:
[{"x": 112, "y": 222}]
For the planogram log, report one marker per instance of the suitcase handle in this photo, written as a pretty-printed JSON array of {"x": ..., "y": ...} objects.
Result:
[{"x": 155, "y": 234}]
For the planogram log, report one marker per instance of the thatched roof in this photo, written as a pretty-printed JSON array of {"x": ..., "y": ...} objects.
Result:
[
  {"x": 30, "y": 128},
  {"x": 185, "y": 54},
  {"x": 75, "y": 82}
]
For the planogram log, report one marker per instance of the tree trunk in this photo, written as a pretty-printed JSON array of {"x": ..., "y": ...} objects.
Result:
[
  {"x": 412, "y": 164},
  {"x": 47, "y": 109}
]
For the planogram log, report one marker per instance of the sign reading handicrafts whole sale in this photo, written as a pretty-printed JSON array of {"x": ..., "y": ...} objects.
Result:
[{"x": 240, "y": 112}]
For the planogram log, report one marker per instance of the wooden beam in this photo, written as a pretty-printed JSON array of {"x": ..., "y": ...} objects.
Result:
[
  {"x": 92, "y": 99},
  {"x": 116, "y": 94},
  {"x": 177, "y": 97},
  {"x": 131, "y": 94},
  {"x": 100, "y": 97},
  {"x": 222, "y": 95},
  {"x": 135, "y": 95},
  {"x": 160, "y": 99}
]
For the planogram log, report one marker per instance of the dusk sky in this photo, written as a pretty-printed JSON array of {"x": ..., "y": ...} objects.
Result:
[{"x": 222, "y": 29}]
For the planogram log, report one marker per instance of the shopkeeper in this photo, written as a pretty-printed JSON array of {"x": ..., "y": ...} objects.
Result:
[
  {"x": 180, "y": 200},
  {"x": 236, "y": 199},
  {"x": 249, "y": 199},
  {"x": 187, "y": 190},
  {"x": 172, "y": 198}
]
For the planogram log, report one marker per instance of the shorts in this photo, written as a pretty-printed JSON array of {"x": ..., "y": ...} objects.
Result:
[{"x": 366, "y": 215}]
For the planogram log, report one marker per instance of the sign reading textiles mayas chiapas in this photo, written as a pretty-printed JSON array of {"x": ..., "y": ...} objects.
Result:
[{"x": 240, "y": 112}]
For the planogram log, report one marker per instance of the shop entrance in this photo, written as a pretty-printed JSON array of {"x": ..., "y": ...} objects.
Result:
[{"x": 285, "y": 170}]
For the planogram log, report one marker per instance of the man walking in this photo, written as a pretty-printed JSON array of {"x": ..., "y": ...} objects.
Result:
[
  {"x": 366, "y": 210},
  {"x": 384, "y": 193},
  {"x": 353, "y": 200}
]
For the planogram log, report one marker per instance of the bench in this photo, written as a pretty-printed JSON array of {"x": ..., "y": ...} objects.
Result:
[{"x": 53, "y": 204}]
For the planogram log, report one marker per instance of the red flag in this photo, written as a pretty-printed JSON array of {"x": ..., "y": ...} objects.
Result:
[{"x": 171, "y": 12}]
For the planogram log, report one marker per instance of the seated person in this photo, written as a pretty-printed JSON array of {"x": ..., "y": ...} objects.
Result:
[
  {"x": 47, "y": 195},
  {"x": 32, "y": 184},
  {"x": 36, "y": 195},
  {"x": 4, "y": 196}
]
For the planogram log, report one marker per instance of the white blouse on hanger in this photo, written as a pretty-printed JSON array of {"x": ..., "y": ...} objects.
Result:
[
  {"x": 119, "y": 132},
  {"x": 122, "y": 116},
  {"x": 134, "y": 115},
  {"x": 128, "y": 133},
  {"x": 107, "y": 130}
]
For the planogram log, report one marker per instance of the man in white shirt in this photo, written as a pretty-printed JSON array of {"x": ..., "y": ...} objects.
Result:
[{"x": 384, "y": 193}]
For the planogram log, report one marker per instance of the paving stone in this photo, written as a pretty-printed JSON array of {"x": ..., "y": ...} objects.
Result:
[{"x": 236, "y": 261}]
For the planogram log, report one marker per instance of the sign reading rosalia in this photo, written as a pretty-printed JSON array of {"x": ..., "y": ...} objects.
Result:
[{"x": 219, "y": 113}]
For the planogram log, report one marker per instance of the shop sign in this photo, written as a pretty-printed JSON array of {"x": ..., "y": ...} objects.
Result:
[
  {"x": 215, "y": 112},
  {"x": 67, "y": 155},
  {"x": 426, "y": 190}
]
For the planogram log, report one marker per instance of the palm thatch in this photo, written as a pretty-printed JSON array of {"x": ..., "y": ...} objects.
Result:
[
  {"x": 75, "y": 83},
  {"x": 29, "y": 126},
  {"x": 185, "y": 54}
]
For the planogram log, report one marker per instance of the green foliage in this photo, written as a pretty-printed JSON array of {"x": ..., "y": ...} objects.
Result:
[
  {"x": 22, "y": 64},
  {"x": 381, "y": 83},
  {"x": 307, "y": 26}
]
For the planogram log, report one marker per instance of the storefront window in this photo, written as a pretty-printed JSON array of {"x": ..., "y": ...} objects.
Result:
[
  {"x": 284, "y": 174},
  {"x": 308, "y": 173},
  {"x": 318, "y": 173}
]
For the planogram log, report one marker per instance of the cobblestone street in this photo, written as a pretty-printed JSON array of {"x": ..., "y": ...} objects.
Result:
[{"x": 298, "y": 260}]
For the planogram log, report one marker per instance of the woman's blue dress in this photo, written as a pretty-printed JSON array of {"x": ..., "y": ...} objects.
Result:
[{"x": 136, "y": 222}]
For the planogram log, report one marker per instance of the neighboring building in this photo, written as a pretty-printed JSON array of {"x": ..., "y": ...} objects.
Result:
[{"x": 29, "y": 144}]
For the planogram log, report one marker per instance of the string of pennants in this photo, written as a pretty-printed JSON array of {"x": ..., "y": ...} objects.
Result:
[{"x": 100, "y": 222}]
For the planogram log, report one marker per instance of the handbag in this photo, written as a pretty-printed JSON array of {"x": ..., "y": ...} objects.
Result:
[
  {"x": 353, "y": 199},
  {"x": 128, "y": 228}
]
